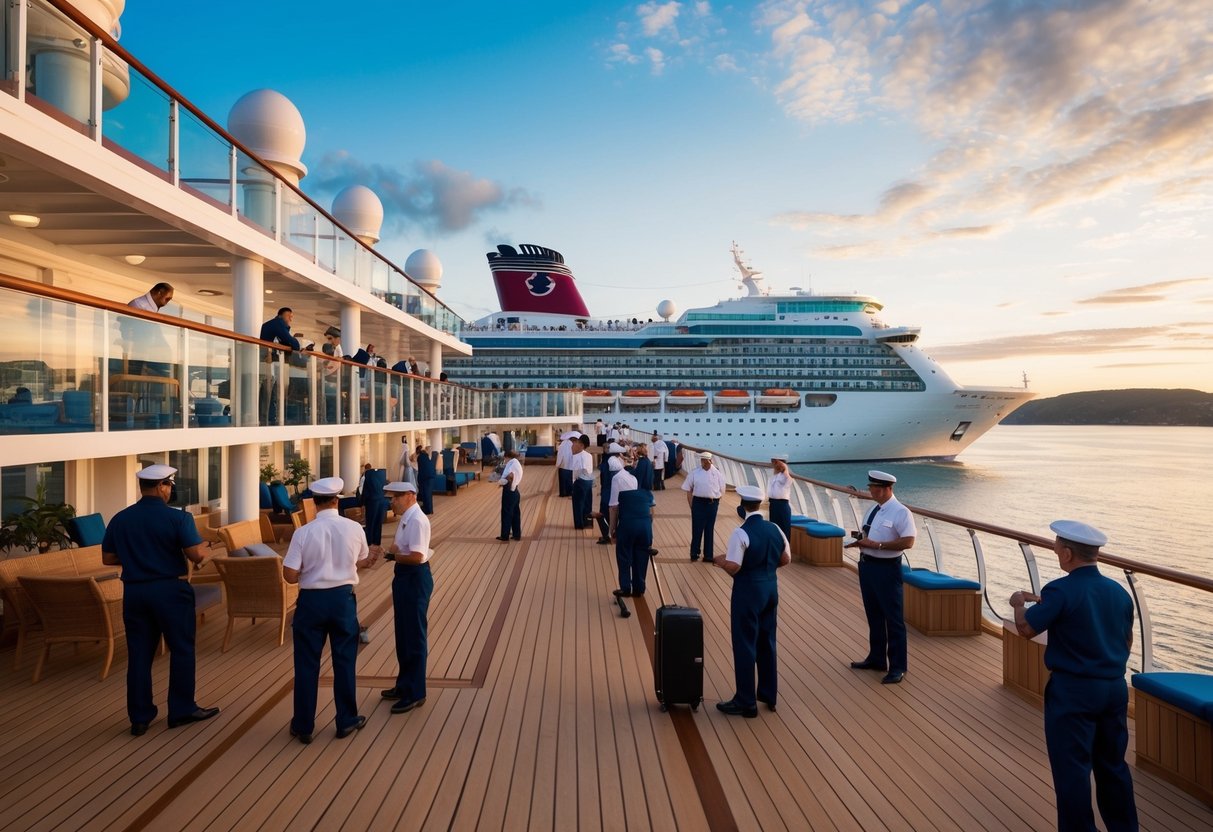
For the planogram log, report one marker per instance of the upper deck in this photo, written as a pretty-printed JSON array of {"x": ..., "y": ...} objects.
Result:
[{"x": 541, "y": 714}]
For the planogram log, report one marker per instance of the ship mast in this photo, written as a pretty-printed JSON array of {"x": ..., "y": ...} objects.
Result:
[{"x": 749, "y": 277}]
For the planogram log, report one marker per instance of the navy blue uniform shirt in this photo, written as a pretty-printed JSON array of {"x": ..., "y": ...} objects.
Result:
[
  {"x": 278, "y": 330},
  {"x": 149, "y": 537},
  {"x": 1094, "y": 621}
]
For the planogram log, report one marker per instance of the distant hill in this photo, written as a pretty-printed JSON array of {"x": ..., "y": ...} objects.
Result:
[{"x": 1118, "y": 407}]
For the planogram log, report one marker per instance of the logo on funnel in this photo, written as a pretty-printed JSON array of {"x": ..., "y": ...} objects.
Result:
[{"x": 539, "y": 284}]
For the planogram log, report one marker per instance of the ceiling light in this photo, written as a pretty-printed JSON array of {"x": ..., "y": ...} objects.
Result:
[
  {"x": 24, "y": 220},
  {"x": 134, "y": 259},
  {"x": 223, "y": 264},
  {"x": 210, "y": 293},
  {"x": 269, "y": 291}
]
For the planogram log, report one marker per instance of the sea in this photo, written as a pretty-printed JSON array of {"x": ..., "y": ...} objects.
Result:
[{"x": 1147, "y": 488}]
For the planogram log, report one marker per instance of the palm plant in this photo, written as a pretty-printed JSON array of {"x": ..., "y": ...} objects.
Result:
[{"x": 41, "y": 525}]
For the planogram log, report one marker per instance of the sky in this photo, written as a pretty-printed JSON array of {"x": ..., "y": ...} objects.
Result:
[{"x": 1029, "y": 182}]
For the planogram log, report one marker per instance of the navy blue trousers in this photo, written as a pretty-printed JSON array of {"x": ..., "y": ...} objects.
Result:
[
  {"x": 320, "y": 614},
  {"x": 564, "y": 477},
  {"x": 583, "y": 502},
  {"x": 780, "y": 512},
  {"x": 1086, "y": 731},
  {"x": 633, "y": 539},
  {"x": 375, "y": 513},
  {"x": 150, "y": 610},
  {"x": 412, "y": 587},
  {"x": 511, "y": 512},
  {"x": 659, "y": 478},
  {"x": 881, "y": 588},
  {"x": 703, "y": 526},
  {"x": 753, "y": 607},
  {"x": 425, "y": 495}
]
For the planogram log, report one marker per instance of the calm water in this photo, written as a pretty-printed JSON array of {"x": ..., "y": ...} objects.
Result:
[{"x": 1143, "y": 486}]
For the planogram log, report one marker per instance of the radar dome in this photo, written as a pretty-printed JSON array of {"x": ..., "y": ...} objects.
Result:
[
  {"x": 269, "y": 124},
  {"x": 424, "y": 267},
  {"x": 359, "y": 209},
  {"x": 666, "y": 309}
]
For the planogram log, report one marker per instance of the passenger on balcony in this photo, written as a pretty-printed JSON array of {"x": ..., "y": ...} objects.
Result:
[
  {"x": 152, "y": 542},
  {"x": 412, "y": 586},
  {"x": 276, "y": 330},
  {"x": 144, "y": 338},
  {"x": 156, "y": 298},
  {"x": 1089, "y": 619}
]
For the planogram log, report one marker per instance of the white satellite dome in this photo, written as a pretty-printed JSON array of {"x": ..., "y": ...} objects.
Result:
[
  {"x": 269, "y": 124},
  {"x": 424, "y": 267},
  {"x": 359, "y": 209},
  {"x": 666, "y": 309}
]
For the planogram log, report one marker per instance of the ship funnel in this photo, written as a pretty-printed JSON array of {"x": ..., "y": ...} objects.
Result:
[{"x": 535, "y": 279}]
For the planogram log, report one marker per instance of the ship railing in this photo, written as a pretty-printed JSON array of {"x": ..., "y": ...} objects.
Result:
[
  {"x": 155, "y": 128},
  {"x": 947, "y": 535},
  {"x": 71, "y": 363}
]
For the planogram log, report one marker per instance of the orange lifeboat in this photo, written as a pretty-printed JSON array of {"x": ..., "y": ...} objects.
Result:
[
  {"x": 604, "y": 397},
  {"x": 779, "y": 397},
  {"x": 731, "y": 398},
  {"x": 684, "y": 397},
  {"x": 641, "y": 397}
]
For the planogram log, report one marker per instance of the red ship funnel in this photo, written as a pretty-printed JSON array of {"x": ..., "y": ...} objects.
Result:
[{"x": 535, "y": 279}]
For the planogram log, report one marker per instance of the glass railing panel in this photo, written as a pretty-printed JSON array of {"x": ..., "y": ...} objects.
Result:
[
  {"x": 58, "y": 72},
  {"x": 211, "y": 360},
  {"x": 145, "y": 374},
  {"x": 299, "y": 223},
  {"x": 204, "y": 161},
  {"x": 326, "y": 245},
  {"x": 254, "y": 193},
  {"x": 300, "y": 404},
  {"x": 328, "y": 392},
  {"x": 139, "y": 127}
]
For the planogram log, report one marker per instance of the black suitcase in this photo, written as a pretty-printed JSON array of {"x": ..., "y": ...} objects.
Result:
[{"x": 677, "y": 654}]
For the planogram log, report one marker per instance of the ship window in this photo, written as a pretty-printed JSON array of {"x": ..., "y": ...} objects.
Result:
[{"x": 960, "y": 431}]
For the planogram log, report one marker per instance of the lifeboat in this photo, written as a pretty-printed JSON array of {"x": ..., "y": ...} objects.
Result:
[
  {"x": 779, "y": 397},
  {"x": 684, "y": 397},
  {"x": 641, "y": 397},
  {"x": 603, "y": 397},
  {"x": 731, "y": 398}
]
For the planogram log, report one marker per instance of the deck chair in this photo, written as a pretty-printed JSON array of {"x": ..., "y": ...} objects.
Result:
[
  {"x": 75, "y": 610},
  {"x": 255, "y": 588},
  {"x": 88, "y": 530}
]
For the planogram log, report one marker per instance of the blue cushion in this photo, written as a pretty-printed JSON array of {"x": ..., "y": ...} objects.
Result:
[
  {"x": 926, "y": 579},
  {"x": 823, "y": 530},
  {"x": 281, "y": 501},
  {"x": 800, "y": 518},
  {"x": 1192, "y": 692},
  {"x": 206, "y": 596},
  {"x": 266, "y": 500},
  {"x": 88, "y": 530}
]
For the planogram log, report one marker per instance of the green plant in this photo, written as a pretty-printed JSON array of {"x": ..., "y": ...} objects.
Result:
[
  {"x": 298, "y": 472},
  {"x": 39, "y": 526},
  {"x": 269, "y": 473}
]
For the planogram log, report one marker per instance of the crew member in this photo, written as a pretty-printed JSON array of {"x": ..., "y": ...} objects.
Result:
[
  {"x": 605, "y": 474},
  {"x": 564, "y": 464},
  {"x": 631, "y": 524},
  {"x": 324, "y": 558},
  {"x": 152, "y": 542},
  {"x": 1089, "y": 619},
  {"x": 643, "y": 469},
  {"x": 412, "y": 586},
  {"x": 779, "y": 493},
  {"x": 887, "y": 532},
  {"x": 583, "y": 482},
  {"x": 658, "y": 453},
  {"x": 756, "y": 549},
  {"x": 704, "y": 487},
  {"x": 600, "y": 429},
  {"x": 374, "y": 503},
  {"x": 158, "y": 297},
  {"x": 511, "y": 497},
  {"x": 426, "y": 474}
]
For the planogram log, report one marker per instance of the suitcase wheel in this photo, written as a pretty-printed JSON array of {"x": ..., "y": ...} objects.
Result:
[
  {"x": 695, "y": 707},
  {"x": 663, "y": 708}
]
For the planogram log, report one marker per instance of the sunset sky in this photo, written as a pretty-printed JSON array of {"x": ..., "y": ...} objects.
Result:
[{"x": 1031, "y": 182}]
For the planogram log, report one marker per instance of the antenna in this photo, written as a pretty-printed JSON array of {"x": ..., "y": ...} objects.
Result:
[
  {"x": 1025, "y": 379},
  {"x": 749, "y": 277}
]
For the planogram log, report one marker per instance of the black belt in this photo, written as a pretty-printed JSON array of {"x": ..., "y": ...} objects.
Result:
[
  {"x": 708, "y": 499},
  {"x": 873, "y": 559},
  {"x": 776, "y": 500}
]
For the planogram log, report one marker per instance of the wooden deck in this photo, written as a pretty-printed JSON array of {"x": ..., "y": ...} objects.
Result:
[{"x": 541, "y": 714}]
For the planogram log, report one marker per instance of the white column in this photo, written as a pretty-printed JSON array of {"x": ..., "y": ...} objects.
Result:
[
  {"x": 114, "y": 486},
  {"x": 349, "y": 466},
  {"x": 351, "y": 328},
  {"x": 243, "y": 483},
  {"x": 435, "y": 360}
]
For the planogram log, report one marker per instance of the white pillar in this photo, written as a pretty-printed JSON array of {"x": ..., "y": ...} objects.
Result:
[
  {"x": 435, "y": 359},
  {"x": 349, "y": 466},
  {"x": 351, "y": 328},
  {"x": 248, "y": 296},
  {"x": 113, "y": 483},
  {"x": 243, "y": 483}
]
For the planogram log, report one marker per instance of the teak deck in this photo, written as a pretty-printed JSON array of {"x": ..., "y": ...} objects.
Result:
[{"x": 541, "y": 713}]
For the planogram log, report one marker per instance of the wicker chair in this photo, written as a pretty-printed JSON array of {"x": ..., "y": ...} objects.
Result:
[
  {"x": 75, "y": 610},
  {"x": 254, "y": 588}
]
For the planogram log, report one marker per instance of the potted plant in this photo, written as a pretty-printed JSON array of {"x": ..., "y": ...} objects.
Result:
[
  {"x": 40, "y": 525},
  {"x": 298, "y": 472},
  {"x": 270, "y": 474}
]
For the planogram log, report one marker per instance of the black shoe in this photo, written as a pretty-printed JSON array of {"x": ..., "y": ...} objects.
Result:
[
  {"x": 709, "y": 560},
  {"x": 770, "y": 703},
  {"x": 652, "y": 553},
  {"x": 868, "y": 664},
  {"x": 342, "y": 733},
  {"x": 405, "y": 707},
  {"x": 391, "y": 693},
  {"x": 603, "y": 541},
  {"x": 504, "y": 539},
  {"x": 197, "y": 716},
  {"x": 619, "y": 593},
  {"x": 694, "y": 558},
  {"x": 893, "y": 678},
  {"x": 636, "y": 594},
  {"x": 733, "y": 709},
  {"x": 306, "y": 739},
  {"x": 138, "y": 729}
]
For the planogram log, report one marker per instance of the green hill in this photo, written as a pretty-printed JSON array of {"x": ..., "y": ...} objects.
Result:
[{"x": 1118, "y": 407}]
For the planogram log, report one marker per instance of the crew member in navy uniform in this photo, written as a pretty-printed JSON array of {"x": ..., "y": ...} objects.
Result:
[
  {"x": 426, "y": 474},
  {"x": 643, "y": 470},
  {"x": 412, "y": 586},
  {"x": 704, "y": 487},
  {"x": 511, "y": 497},
  {"x": 605, "y": 474},
  {"x": 1089, "y": 619},
  {"x": 374, "y": 504},
  {"x": 779, "y": 493},
  {"x": 583, "y": 482},
  {"x": 756, "y": 549},
  {"x": 631, "y": 525},
  {"x": 324, "y": 558},
  {"x": 887, "y": 531},
  {"x": 152, "y": 542}
]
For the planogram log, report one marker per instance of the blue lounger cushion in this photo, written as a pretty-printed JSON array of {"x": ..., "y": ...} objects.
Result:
[
  {"x": 253, "y": 550},
  {"x": 1191, "y": 692},
  {"x": 86, "y": 530},
  {"x": 266, "y": 500},
  {"x": 798, "y": 519},
  {"x": 824, "y": 530},
  {"x": 926, "y": 579}
]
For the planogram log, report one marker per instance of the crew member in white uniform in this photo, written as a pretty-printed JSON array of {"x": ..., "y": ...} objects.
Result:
[
  {"x": 564, "y": 464},
  {"x": 779, "y": 493},
  {"x": 511, "y": 498},
  {"x": 324, "y": 558},
  {"x": 704, "y": 487},
  {"x": 583, "y": 483},
  {"x": 412, "y": 586},
  {"x": 659, "y": 454}
]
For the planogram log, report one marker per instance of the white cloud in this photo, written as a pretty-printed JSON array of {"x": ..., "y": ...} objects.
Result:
[
  {"x": 656, "y": 58},
  {"x": 655, "y": 17}
]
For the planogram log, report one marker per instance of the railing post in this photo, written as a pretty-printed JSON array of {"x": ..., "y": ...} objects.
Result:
[
  {"x": 936, "y": 549},
  {"x": 1143, "y": 620},
  {"x": 232, "y": 179},
  {"x": 95, "y": 93},
  {"x": 1029, "y": 558},
  {"x": 174, "y": 142},
  {"x": 981, "y": 572}
]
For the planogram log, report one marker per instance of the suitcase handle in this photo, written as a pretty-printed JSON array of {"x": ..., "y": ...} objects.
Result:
[{"x": 657, "y": 580}]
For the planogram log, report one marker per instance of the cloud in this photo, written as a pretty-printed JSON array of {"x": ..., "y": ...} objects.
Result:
[
  {"x": 1146, "y": 293},
  {"x": 667, "y": 34},
  {"x": 656, "y": 17},
  {"x": 1077, "y": 342},
  {"x": 621, "y": 53},
  {"x": 432, "y": 195},
  {"x": 656, "y": 59}
]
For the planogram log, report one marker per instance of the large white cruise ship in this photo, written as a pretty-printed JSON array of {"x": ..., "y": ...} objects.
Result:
[{"x": 819, "y": 376}]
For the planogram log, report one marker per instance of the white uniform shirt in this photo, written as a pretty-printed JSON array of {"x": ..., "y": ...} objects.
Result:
[
  {"x": 145, "y": 303},
  {"x": 564, "y": 454},
  {"x": 326, "y": 551},
  {"x": 658, "y": 453},
  {"x": 514, "y": 467},
  {"x": 600, "y": 428},
  {"x": 780, "y": 487},
  {"x": 892, "y": 522},
  {"x": 583, "y": 466},
  {"x": 739, "y": 540},
  {"x": 705, "y": 483},
  {"x": 622, "y": 481},
  {"x": 413, "y": 533}
]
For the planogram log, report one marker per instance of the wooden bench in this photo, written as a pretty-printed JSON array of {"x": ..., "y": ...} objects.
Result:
[
  {"x": 817, "y": 544},
  {"x": 1023, "y": 664},
  {"x": 1174, "y": 716},
  {"x": 941, "y": 605},
  {"x": 61, "y": 563}
]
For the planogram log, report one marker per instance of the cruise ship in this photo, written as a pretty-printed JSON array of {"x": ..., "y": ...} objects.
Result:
[{"x": 819, "y": 376}]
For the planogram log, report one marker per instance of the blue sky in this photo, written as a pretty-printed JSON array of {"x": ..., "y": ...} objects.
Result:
[{"x": 1028, "y": 181}]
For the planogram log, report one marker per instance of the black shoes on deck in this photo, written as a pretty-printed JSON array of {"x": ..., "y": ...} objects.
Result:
[
  {"x": 890, "y": 678},
  {"x": 868, "y": 664},
  {"x": 893, "y": 678},
  {"x": 197, "y": 716},
  {"x": 405, "y": 707},
  {"x": 733, "y": 709},
  {"x": 342, "y": 733},
  {"x": 138, "y": 729}
]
